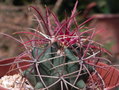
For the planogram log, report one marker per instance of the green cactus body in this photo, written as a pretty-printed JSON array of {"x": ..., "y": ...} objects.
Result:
[
  {"x": 39, "y": 85},
  {"x": 29, "y": 74},
  {"x": 50, "y": 58},
  {"x": 81, "y": 84},
  {"x": 59, "y": 64}
]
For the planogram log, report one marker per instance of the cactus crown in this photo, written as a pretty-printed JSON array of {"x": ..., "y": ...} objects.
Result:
[{"x": 62, "y": 54}]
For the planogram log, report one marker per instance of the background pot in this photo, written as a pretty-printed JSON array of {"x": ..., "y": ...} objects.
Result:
[
  {"x": 109, "y": 74},
  {"x": 106, "y": 26}
]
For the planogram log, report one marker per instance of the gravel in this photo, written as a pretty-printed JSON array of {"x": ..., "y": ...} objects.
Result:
[{"x": 15, "y": 82}]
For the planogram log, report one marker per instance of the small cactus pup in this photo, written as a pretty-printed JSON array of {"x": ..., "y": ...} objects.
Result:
[{"x": 63, "y": 55}]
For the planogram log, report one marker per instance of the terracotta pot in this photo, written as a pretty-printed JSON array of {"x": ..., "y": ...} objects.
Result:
[
  {"x": 110, "y": 75},
  {"x": 107, "y": 26},
  {"x": 4, "y": 70},
  {"x": 107, "y": 73}
]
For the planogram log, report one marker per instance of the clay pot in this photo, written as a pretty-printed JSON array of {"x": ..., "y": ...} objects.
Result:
[
  {"x": 4, "y": 70},
  {"x": 109, "y": 74},
  {"x": 106, "y": 26}
]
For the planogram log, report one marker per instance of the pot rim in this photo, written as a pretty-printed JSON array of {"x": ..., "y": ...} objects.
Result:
[
  {"x": 101, "y": 64},
  {"x": 105, "y": 16}
]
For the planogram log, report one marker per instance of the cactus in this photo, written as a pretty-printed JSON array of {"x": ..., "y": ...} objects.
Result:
[
  {"x": 63, "y": 55},
  {"x": 55, "y": 63},
  {"x": 61, "y": 60}
]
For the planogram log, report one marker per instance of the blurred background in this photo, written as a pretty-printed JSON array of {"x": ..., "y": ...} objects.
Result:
[{"x": 15, "y": 16}]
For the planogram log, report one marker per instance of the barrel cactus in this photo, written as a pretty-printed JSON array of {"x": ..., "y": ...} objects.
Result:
[{"x": 62, "y": 54}]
